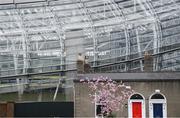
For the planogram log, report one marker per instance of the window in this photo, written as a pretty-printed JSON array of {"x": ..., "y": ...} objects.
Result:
[{"x": 98, "y": 109}]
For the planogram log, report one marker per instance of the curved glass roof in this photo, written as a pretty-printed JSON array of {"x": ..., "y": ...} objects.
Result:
[{"x": 46, "y": 35}]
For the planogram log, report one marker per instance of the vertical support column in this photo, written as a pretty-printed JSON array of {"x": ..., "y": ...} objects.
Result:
[
  {"x": 139, "y": 49},
  {"x": 26, "y": 55},
  {"x": 25, "y": 43},
  {"x": 157, "y": 33},
  {"x": 135, "y": 6},
  {"x": 120, "y": 15},
  {"x": 60, "y": 31},
  {"x": 19, "y": 88},
  {"x": 92, "y": 31},
  {"x": 127, "y": 66},
  {"x": 158, "y": 43},
  {"x": 18, "y": 17},
  {"x": 68, "y": 85},
  {"x": 15, "y": 59},
  {"x": 24, "y": 46},
  {"x": 95, "y": 49},
  {"x": 155, "y": 46}
]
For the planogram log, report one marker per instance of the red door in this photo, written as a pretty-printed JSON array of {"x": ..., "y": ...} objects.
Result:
[{"x": 137, "y": 109}]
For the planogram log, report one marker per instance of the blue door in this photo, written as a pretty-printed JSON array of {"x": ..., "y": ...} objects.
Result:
[{"x": 157, "y": 110}]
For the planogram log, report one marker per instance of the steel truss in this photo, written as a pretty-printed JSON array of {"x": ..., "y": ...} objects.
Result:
[{"x": 35, "y": 36}]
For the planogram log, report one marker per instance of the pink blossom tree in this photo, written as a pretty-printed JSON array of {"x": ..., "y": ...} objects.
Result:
[{"x": 110, "y": 94}]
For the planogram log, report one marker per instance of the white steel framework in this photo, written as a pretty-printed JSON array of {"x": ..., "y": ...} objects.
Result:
[{"x": 35, "y": 36}]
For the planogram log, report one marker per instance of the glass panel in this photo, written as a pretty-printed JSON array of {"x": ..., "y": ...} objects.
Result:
[
  {"x": 157, "y": 96},
  {"x": 136, "y": 96}
]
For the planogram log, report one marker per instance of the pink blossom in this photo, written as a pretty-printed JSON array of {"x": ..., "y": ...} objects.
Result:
[
  {"x": 108, "y": 93},
  {"x": 81, "y": 80}
]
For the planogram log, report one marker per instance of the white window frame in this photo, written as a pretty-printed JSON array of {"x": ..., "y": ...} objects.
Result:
[
  {"x": 160, "y": 101},
  {"x": 97, "y": 103},
  {"x": 130, "y": 101},
  {"x": 96, "y": 116}
]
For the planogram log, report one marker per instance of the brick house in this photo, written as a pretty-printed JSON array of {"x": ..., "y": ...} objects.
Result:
[{"x": 157, "y": 92}]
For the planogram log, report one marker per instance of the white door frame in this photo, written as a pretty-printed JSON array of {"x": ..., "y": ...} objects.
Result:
[
  {"x": 130, "y": 101},
  {"x": 161, "y": 101}
]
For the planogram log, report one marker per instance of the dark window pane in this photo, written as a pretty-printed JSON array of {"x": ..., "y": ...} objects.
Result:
[{"x": 136, "y": 96}]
